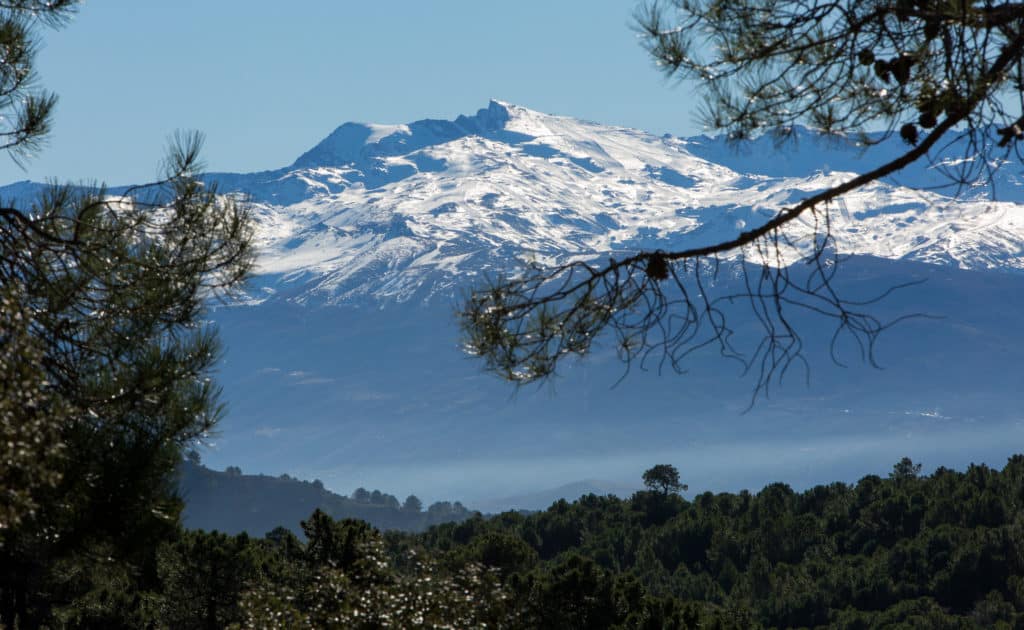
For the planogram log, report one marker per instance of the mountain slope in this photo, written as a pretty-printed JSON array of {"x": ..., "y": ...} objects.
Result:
[
  {"x": 344, "y": 364},
  {"x": 404, "y": 211},
  {"x": 394, "y": 212}
]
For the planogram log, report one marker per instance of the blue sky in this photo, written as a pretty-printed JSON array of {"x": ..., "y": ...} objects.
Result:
[{"x": 266, "y": 80}]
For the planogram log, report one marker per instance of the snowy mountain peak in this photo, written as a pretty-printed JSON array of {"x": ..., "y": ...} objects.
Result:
[
  {"x": 399, "y": 212},
  {"x": 353, "y": 143},
  {"x": 396, "y": 212}
]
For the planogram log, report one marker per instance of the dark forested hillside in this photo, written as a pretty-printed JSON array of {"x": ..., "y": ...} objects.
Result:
[
  {"x": 944, "y": 550},
  {"x": 232, "y": 502}
]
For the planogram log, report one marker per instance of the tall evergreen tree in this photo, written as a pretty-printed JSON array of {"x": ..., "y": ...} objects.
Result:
[
  {"x": 105, "y": 326},
  {"x": 664, "y": 478}
]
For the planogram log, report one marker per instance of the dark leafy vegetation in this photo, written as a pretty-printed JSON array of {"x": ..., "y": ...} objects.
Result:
[
  {"x": 106, "y": 383},
  {"x": 105, "y": 361},
  {"x": 944, "y": 550}
]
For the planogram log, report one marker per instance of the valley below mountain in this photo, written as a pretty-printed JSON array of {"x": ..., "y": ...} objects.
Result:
[{"x": 358, "y": 396}]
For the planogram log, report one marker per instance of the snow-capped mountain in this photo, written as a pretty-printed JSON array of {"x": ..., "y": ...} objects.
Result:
[
  {"x": 406, "y": 216},
  {"x": 403, "y": 211},
  {"x": 411, "y": 211}
]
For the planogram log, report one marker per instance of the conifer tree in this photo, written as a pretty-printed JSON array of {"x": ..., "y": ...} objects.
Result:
[{"x": 106, "y": 356}]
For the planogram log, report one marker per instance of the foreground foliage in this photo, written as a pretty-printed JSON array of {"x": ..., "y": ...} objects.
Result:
[
  {"x": 943, "y": 551},
  {"x": 938, "y": 551},
  {"x": 106, "y": 377},
  {"x": 105, "y": 361}
]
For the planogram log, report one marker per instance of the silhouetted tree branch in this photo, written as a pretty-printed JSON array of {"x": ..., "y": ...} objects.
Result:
[{"x": 940, "y": 74}]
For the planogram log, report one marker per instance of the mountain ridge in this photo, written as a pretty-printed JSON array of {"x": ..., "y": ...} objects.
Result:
[
  {"x": 432, "y": 202},
  {"x": 344, "y": 361},
  {"x": 406, "y": 212}
]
